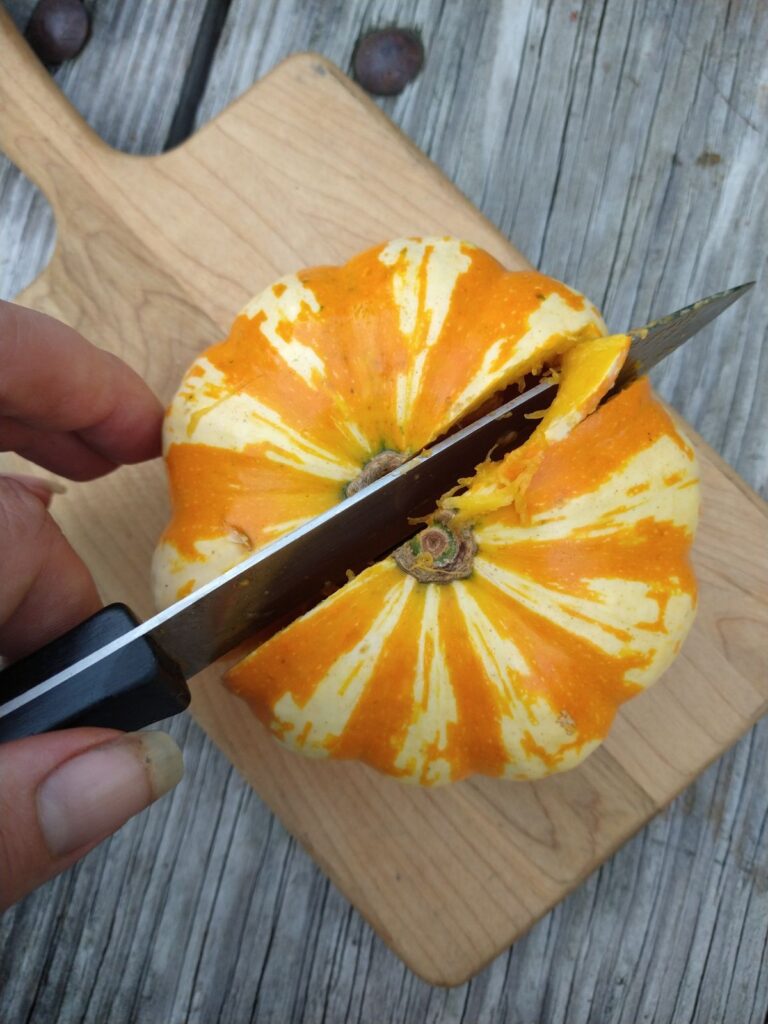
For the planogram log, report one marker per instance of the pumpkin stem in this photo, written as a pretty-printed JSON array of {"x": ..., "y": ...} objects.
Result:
[
  {"x": 374, "y": 468},
  {"x": 439, "y": 554}
]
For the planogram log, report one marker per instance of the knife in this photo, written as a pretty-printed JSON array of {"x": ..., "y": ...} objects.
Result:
[{"x": 115, "y": 671}]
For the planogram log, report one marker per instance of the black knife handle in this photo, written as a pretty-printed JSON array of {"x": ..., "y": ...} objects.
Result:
[{"x": 133, "y": 687}]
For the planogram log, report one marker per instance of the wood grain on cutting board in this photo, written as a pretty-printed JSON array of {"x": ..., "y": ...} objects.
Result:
[{"x": 154, "y": 257}]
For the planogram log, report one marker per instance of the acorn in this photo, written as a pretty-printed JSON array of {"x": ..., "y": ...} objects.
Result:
[
  {"x": 386, "y": 60},
  {"x": 58, "y": 30}
]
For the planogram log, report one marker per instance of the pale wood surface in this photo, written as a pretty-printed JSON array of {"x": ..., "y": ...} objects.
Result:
[{"x": 673, "y": 926}]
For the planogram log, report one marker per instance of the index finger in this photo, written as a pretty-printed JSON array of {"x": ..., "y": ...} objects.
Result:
[{"x": 51, "y": 378}]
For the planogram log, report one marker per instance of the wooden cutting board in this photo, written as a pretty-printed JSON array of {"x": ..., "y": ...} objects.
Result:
[{"x": 154, "y": 256}]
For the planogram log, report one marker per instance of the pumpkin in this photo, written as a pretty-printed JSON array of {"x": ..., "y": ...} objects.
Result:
[{"x": 548, "y": 589}]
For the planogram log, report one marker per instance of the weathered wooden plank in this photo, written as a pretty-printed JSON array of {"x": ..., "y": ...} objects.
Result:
[
  {"x": 583, "y": 132},
  {"x": 127, "y": 82}
]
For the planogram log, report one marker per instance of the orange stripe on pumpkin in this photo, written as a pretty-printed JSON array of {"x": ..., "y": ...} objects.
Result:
[
  {"x": 297, "y": 659},
  {"x": 488, "y": 303},
  {"x": 475, "y": 741},
  {"x": 251, "y": 365},
  {"x": 377, "y": 726},
  {"x": 574, "y": 676},
  {"x": 599, "y": 446},
  {"x": 655, "y": 553},
  {"x": 215, "y": 491}
]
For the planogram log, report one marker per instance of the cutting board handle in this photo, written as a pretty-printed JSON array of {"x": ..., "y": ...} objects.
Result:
[{"x": 40, "y": 130}]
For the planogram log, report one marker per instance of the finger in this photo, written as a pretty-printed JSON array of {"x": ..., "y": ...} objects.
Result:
[
  {"x": 62, "y": 793},
  {"x": 42, "y": 489},
  {"x": 46, "y": 588},
  {"x": 54, "y": 379},
  {"x": 65, "y": 454}
]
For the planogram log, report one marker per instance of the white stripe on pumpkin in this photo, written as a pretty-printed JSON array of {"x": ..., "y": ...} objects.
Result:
[
  {"x": 326, "y": 714},
  {"x": 434, "y": 702},
  {"x": 171, "y": 571},
  {"x": 613, "y": 604},
  {"x": 506, "y": 669},
  {"x": 422, "y": 310},
  {"x": 283, "y": 303},
  {"x": 613, "y": 506},
  {"x": 206, "y": 412}
]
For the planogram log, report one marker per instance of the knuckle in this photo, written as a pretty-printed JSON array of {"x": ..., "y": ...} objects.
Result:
[{"x": 22, "y": 515}]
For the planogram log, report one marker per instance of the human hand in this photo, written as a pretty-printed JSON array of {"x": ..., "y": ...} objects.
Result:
[{"x": 79, "y": 412}]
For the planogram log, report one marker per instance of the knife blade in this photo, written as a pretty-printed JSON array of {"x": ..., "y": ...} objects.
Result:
[{"x": 114, "y": 670}]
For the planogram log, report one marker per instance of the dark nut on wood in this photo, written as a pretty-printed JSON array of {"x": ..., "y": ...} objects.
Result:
[
  {"x": 386, "y": 60},
  {"x": 58, "y": 30}
]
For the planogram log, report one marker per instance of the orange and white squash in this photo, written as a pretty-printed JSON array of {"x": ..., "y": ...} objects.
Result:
[{"x": 554, "y": 587}]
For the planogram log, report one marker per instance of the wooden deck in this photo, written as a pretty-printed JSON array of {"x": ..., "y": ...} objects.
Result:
[{"x": 623, "y": 148}]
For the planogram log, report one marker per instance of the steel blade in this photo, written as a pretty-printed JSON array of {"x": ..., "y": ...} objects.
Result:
[{"x": 655, "y": 341}]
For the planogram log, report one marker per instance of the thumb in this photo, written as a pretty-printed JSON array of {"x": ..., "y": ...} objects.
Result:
[{"x": 62, "y": 793}]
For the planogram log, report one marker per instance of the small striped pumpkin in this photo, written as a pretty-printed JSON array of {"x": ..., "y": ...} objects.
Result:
[{"x": 550, "y": 589}]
